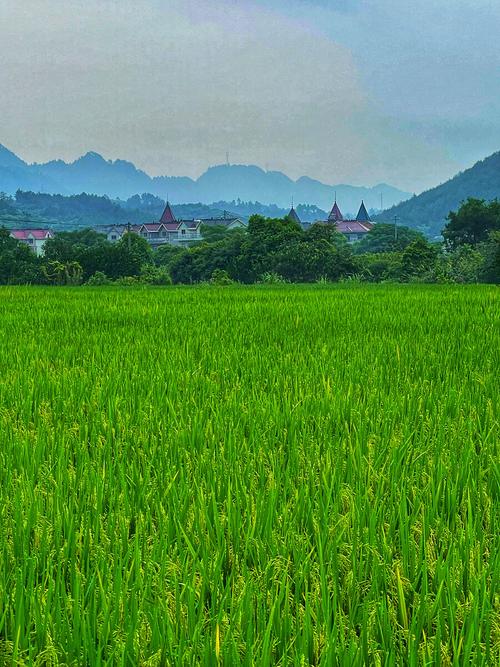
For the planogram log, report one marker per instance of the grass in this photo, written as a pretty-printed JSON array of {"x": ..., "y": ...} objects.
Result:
[{"x": 255, "y": 476}]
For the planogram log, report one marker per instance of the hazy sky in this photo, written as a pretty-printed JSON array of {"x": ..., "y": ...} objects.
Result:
[{"x": 353, "y": 91}]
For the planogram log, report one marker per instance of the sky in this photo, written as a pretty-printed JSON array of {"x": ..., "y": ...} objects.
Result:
[{"x": 346, "y": 91}]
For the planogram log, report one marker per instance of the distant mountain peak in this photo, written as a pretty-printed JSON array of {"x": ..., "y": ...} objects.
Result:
[
  {"x": 94, "y": 174},
  {"x": 91, "y": 156},
  {"x": 10, "y": 159}
]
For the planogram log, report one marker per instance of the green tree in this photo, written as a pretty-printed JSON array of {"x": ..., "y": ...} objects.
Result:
[
  {"x": 91, "y": 250},
  {"x": 265, "y": 238},
  {"x": 418, "y": 259},
  {"x": 18, "y": 264},
  {"x": 220, "y": 277},
  {"x": 63, "y": 273},
  {"x": 464, "y": 264},
  {"x": 490, "y": 250},
  {"x": 384, "y": 238},
  {"x": 472, "y": 223},
  {"x": 212, "y": 234},
  {"x": 310, "y": 260},
  {"x": 381, "y": 266},
  {"x": 155, "y": 275},
  {"x": 166, "y": 254},
  {"x": 133, "y": 253},
  {"x": 69, "y": 246}
]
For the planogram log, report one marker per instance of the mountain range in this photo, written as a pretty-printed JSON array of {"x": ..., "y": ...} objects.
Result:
[
  {"x": 120, "y": 179},
  {"x": 429, "y": 210}
]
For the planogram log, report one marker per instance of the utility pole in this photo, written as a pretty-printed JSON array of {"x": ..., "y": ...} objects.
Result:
[
  {"x": 128, "y": 234},
  {"x": 395, "y": 227}
]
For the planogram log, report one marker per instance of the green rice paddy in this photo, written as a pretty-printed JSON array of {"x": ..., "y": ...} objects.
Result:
[{"x": 250, "y": 476}]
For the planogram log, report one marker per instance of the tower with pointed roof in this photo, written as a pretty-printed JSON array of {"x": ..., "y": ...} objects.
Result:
[
  {"x": 363, "y": 214},
  {"x": 335, "y": 213},
  {"x": 168, "y": 215},
  {"x": 352, "y": 230},
  {"x": 293, "y": 216}
]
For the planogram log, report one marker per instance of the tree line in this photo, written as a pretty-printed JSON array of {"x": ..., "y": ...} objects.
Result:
[{"x": 269, "y": 250}]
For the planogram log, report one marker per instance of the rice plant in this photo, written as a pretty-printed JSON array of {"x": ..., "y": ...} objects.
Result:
[{"x": 274, "y": 475}]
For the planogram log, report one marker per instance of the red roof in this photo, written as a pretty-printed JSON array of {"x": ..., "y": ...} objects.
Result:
[
  {"x": 167, "y": 215},
  {"x": 152, "y": 226},
  {"x": 335, "y": 214},
  {"x": 158, "y": 226},
  {"x": 353, "y": 227},
  {"x": 191, "y": 224},
  {"x": 38, "y": 234}
]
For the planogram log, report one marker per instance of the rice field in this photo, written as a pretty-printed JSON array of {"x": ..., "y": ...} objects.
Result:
[{"x": 250, "y": 476}]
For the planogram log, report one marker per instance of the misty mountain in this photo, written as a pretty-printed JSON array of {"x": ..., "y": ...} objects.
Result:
[
  {"x": 428, "y": 211},
  {"x": 93, "y": 174}
]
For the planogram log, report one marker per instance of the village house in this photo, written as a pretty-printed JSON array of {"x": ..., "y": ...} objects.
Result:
[
  {"x": 170, "y": 230},
  {"x": 353, "y": 230},
  {"x": 33, "y": 238}
]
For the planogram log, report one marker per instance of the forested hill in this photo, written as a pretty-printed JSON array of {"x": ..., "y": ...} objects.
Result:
[
  {"x": 428, "y": 211},
  {"x": 30, "y": 209}
]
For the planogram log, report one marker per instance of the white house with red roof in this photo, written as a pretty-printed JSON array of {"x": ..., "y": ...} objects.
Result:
[
  {"x": 182, "y": 232},
  {"x": 33, "y": 238},
  {"x": 353, "y": 230},
  {"x": 170, "y": 230}
]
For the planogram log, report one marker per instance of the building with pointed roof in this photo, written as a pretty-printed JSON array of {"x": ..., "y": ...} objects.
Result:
[
  {"x": 293, "y": 216},
  {"x": 353, "y": 230},
  {"x": 183, "y": 232},
  {"x": 33, "y": 238},
  {"x": 363, "y": 213},
  {"x": 335, "y": 214},
  {"x": 170, "y": 230},
  {"x": 168, "y": 216}
]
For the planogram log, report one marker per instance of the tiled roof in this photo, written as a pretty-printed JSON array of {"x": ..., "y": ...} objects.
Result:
[
  {"x": 190, "y": 224},
  {"x": 152, "y": 226},
  {"x": 335, "y": 214},
  {"x": 38, "y": 234},
  {"x": 363, "y": 214},
  {"x": 292, "y": 215},
  {"x": 353, "y": 227},
  {"x": 168, "y": 215}
]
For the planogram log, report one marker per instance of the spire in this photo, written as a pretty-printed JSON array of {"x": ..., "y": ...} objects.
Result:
[
  {"x": 167, "y": 215},
  {"x": 362, "y": 213},
  {"x": 335, "y": 214},
  {"x": 293, "y": 216}
]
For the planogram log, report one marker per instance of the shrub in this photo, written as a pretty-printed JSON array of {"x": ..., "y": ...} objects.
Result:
[
  {"x": 98, "y": 279},
  {"x": 155, "y": 275},
  {"x": 272, "y": 278},
  {"x": 220, "y": 277},
  {"x": 127, "y": 281}
]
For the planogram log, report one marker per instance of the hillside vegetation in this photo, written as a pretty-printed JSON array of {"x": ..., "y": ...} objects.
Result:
[
  {"x": 428, "y": 211},
  {"x": 30, "y": 209}
]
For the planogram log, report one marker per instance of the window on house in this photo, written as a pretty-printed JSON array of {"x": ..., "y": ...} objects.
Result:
[{"x": 183, "y": 231}]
